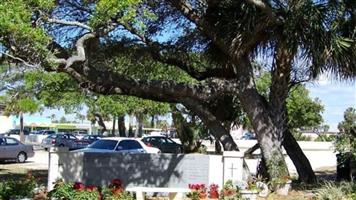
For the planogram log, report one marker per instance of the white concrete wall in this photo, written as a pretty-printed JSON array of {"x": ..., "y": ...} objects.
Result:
[
  {"x": 154, "y": 170},
  {"x": 320, "y": 154}
]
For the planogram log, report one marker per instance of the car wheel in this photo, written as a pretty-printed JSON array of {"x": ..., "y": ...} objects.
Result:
[
  {"x": 61, "y": 145},
  {"x": 179, "y": 150},
  {"x": 21, "y": 157}
]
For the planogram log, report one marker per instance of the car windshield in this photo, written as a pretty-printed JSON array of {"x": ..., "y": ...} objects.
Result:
[{"x": 104, "y": 144}]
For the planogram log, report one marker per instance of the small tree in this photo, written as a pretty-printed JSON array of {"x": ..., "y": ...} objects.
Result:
[{"x": 345, "y": 142}]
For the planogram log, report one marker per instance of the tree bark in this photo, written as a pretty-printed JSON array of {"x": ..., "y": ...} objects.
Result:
[
  {"x": 121, "y": 124},
  {"x": 300, "y": 161},
  {"x": 269, "y": 133},
  {"x": 295, "y": 153}
]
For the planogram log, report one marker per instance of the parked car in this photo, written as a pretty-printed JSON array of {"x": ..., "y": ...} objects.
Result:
[
  {"x": 16, "y": 132},
  {"x": 166, "y": 145},
  {"x": 63, "y": 140},
  {"x": 92, "y": 138},
  {"x": 249, "y": 136},
  {"x": 122, "y": 145},
  {"x": 11, "y": 148},
  {"x": 46, "y": 132}
]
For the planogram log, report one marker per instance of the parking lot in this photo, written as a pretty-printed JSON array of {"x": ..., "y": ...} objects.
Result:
[
  {"x": 37, "y": 165},
  {"x": 39, "y": 162}
]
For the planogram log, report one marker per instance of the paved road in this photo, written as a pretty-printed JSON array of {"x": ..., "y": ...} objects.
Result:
[{"x": 38, "y": 162}]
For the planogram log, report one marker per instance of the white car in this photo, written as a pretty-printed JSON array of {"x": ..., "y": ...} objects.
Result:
[{"x": 119, "y": 144}]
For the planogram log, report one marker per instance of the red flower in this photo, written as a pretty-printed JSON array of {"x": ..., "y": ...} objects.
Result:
[
  {"x": 91, "y": 188},
  {"x": 117, "y": 191},
  {"x": 213, "y": 192},
  {"x": 116, "y": 183},
  {"x": 78, "y": 186}
]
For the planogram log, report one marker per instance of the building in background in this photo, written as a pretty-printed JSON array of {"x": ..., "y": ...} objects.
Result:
[{"x": 6, "y": 123}]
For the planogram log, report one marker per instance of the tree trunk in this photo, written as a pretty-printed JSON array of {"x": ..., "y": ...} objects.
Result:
[
  {"x": 213, "y": 124},
  {"x": 131, "y": 133},
  {"x": 300, "y": 161},
  {"x": 271, "y": 149},
  {"x": 264, "y": 122},
  {"x": 295, "y": 153},
  {"x": 152, "y": 121},
  {"x": 113, "y": 125},
  {"x": 269, "y": 135},
  {"x": 22, "y": 134},
  {"x": 121, "y": 124},
  {"x": 100, "y": 121},
  {"x": 140, "y": 117}
]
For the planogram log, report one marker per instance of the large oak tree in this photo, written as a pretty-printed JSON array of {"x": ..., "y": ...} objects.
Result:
[{"x": 215, "y": 42}]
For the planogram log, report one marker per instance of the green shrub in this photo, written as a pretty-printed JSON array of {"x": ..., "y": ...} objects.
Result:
[
  {"x": 78, "y": 191},
  {"x": 325, "y": 138},
  {"x": 332, "y": 191},
  {"x": 16, "y": 189},
  {"x": 300, "y": 137}
]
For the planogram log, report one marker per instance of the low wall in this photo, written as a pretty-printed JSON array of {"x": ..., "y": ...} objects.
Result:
[
  {"x": 320, "y": 154},
  {"x": 159, "y": 170},
  {"x": 169, "y": 170}
]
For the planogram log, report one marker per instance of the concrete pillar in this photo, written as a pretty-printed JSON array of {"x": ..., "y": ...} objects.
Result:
[
  {"x": 54, "y": 165},
  {"x": 233, "y": 166}
]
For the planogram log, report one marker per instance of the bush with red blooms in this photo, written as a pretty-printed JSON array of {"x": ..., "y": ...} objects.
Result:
[
  {"x": 199, "y": 191},
  {"x": 79, "y": 191},
  {"x": 214, "y": 191},
  {"x": 230, "y": 191}
]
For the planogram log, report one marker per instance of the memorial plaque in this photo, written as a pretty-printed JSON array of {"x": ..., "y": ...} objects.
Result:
[
  {"x": 192, "y": 169},
  {"x": 156, "y": 170}
]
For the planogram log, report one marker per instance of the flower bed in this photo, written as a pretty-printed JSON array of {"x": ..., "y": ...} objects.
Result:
[
  {"x": 79, "y": 191},
  {"x": 228, "y": 192},
  {"x": 18, "y": 189}
]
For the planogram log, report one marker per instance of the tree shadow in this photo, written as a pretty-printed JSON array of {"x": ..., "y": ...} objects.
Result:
[
  {"x": 41, "y": 176},
  {"x": 155, "y": 170}
]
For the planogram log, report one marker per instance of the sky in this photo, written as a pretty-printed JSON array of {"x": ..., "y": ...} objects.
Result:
[{"x": 336, "y": 97}]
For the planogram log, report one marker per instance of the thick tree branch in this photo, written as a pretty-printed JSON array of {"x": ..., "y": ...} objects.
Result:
[
  {"x": 105, "y": 82},
  {"x": 79, "y": 57},
  {"x": 264, "y": 8},
  {"x": 70, "y": 23},
  {"x": 217, "y": 128},
  {"x": 235, "y": 50},
  {"x": 182, "y": 63},
  {"x": 19, "y": 59}
]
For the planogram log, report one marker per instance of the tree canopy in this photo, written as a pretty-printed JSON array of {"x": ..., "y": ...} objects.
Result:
[{"x": 213, "y": 43}]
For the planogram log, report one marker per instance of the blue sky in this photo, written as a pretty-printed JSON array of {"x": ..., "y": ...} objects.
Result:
[{"x": 335, "y": 96}]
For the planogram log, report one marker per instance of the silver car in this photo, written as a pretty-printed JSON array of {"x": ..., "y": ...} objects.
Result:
[
  {"x": 121, "y": 145},
  {"x": 63, "y": 140},
  {"x": 12, "y": 149}
]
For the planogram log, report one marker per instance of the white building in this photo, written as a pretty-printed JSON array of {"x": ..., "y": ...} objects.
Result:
[{"x": 6, "y": 123}]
